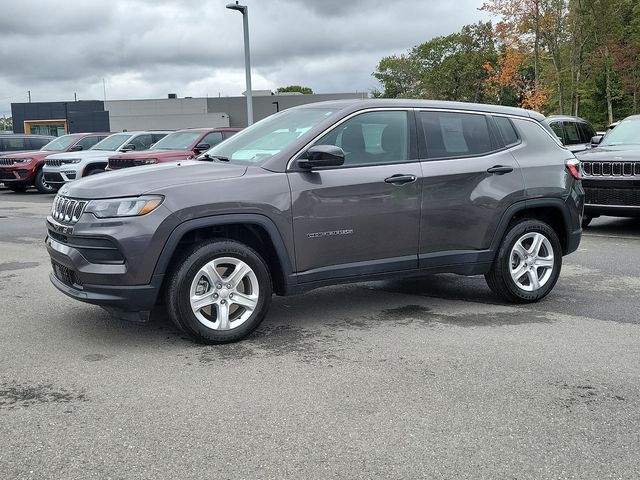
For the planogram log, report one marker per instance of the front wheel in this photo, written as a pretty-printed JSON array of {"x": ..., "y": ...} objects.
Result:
[
  {"x": 586, "y": 220},
  {"x": 528, "y": 262},
  {"x": 41, "y": 185},
  {"x": 220, "y": 292}
]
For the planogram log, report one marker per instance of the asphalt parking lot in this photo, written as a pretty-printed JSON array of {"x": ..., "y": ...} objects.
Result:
[{"x": 421, "y": 378}]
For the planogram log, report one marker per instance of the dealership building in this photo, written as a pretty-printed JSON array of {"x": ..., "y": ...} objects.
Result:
[{"x": 171, "y": 113}]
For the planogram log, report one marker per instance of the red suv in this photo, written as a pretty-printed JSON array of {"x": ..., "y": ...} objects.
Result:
[
  {"x": 179, "y": 145},
  {"x": 19, "y": 171}
]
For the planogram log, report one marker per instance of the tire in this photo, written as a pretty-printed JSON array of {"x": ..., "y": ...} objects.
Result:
[
  {"x": 41, "y": 185},
  {"x": 17, "y": 188},
  {"x": 508, "y": 261},
  {"x": 192, "y": 278},
  {"x": 586, "y": 220}
]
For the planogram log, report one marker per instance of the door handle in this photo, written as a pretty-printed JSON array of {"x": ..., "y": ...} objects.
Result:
[
  {"x": 400, "y": 179},
  {"x": 500, "y": 169}
]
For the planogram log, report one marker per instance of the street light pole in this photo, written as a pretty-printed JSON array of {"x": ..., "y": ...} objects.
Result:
[{"x": 244, "y": 9}]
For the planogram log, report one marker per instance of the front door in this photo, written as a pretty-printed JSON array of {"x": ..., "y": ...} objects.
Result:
[{"x": 362, "y": 217}]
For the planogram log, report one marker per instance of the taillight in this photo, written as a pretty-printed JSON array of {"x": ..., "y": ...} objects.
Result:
[{"x": 573, "y": 165}]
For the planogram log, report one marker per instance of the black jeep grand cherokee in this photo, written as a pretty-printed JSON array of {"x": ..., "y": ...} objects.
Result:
[{"x": 612, "y": 173}]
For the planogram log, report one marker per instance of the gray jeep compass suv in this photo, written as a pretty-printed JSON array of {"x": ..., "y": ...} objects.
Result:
[{"x": 321, "y": 194}]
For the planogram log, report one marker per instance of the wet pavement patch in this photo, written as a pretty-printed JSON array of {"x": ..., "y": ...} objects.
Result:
[
  {"x": 16, "y": 395},
  {"x": 574, "y": 396},
  {"x": 95, "y": 357},
  {"x": 7, "y": 266},
  {"x": 278, "y": 340}
]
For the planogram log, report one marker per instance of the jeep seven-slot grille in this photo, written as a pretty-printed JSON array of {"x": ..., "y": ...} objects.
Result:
[
  {"x": 116, "y": 163},
  {"x": 53, "y": 162},
  {"x": 67, "y": 210},
  {"x": 611, "y": 169}
]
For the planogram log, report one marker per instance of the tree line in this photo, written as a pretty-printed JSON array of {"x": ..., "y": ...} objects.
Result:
[{"x": 573, "y": 57}]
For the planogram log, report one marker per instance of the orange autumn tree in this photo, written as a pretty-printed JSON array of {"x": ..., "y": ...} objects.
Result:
[{"x": 518, "y": 64}]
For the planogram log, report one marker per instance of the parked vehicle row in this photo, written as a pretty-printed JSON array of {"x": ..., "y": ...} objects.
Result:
[
  {"x": 74, "y": 156},
  {"x": 21, "y": 170},
  {"x": 321, "y": 194}
]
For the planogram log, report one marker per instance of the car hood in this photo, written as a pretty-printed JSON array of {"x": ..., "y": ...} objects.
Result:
[
  {"x": 152, "y": 154},
  {"x": 81, "y": 154},
  {"x": 30, "y": 154},
  {"x": 149, "y": 179},
  {"x": 627, "y": 153}
]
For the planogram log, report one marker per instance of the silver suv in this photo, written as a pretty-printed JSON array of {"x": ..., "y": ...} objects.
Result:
[{"x": 322, "y": 194}]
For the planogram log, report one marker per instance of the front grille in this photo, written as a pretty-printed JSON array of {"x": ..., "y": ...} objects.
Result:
[
  {"x": 65, "y": 275},
  {"x": 611, "y": 169},
  {"x": 67, "y": 210},
  {"x": 53, "y": 162},
  {"x": 9, "y": 161},
  {"x": 612, "y": 196},
  {"x": 116, "y": 163}
]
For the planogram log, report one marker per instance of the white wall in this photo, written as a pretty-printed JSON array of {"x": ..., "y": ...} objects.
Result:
[{"x": 162, "y": 114}]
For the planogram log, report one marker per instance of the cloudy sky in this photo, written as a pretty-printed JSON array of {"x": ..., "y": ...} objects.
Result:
[{"x": 148, "y": 48}]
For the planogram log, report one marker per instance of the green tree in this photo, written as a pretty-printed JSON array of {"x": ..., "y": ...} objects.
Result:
[
  {"x": 295, "y": 88},
  {"x": 6, "y": 123},
  {"x": 444, "y": 68}
]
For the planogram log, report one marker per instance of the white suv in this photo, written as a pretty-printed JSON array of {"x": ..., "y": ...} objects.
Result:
[{"x": 61, "y": 168}]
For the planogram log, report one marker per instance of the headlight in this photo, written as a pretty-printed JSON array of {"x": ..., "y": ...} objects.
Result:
[
  {"x": 72, "y": 160},
  {"x": 146, "y": 161},
  {"x": 22, "y": 160},
  {"x": 124, "y": 207}
]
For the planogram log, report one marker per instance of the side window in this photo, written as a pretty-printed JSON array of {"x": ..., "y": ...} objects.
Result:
[
  {"x": 87, "y": 142},
  {"x": 586, "y": 132},
  {"x": 507, "y": 130},
  {"x": 14, "y": 144},
  {"x": 37, "y": 143},
  {"x": 449, "y": 134},
  {"x": 212, "y": 138},
  {"x": 573, "y": 135},
  {"x": 557, "y": 129},
  {"x": 156, "y": 137},
  {"x": 372, "y": 138},
  {"x": 142, "y": 142}
]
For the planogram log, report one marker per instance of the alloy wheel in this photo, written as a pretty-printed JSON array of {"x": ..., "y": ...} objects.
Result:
[{"x": 531, "y": 261}]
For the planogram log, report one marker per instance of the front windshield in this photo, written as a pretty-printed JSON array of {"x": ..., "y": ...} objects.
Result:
[
  {"x": 177, "y": 141},
  {"x": 60, "y": 144},
  {"x": 270, "y": 136},
  {"x": 111, "y": 143},
  {"x": 626, "y": 133}
]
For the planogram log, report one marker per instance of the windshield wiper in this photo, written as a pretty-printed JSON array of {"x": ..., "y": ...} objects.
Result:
[{"x": 210, "y": 158}]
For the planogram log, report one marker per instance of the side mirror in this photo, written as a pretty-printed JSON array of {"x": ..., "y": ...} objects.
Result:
[
  {"x": 595, "y": 141},
  {"x": 128, "y": 147},
  {"x": 322, "y": 156},
  {"x": 201, "y": 147},
  {"x": 76, "y": 148}
]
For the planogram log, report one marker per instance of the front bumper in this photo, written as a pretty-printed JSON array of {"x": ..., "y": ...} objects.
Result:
[
  {"x": 618, "y": 197},
  {"x": 59, "y": 175},
  {"x": 109, "y": 262},
  {"x": 17, "y": 174}
]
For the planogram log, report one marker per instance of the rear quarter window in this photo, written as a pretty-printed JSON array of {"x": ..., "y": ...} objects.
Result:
[{"x": 507, "y": 130}]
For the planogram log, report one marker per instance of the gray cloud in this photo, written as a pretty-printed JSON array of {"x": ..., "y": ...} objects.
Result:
[{"x": 147, "y": 48}]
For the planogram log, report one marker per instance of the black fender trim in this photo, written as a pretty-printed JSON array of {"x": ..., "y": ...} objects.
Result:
[
  {"x": 555, "y": 203},
  {"x": 218, "y": 220}
]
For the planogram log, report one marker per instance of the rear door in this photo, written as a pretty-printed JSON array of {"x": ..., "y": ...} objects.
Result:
[
  {"x": 355, "y": 219},
  {"x": 470, "y": 178}
]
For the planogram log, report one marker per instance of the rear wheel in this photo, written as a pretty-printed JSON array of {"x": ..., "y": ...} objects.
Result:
[
  {"x": 220, "y": 292},
  {"x": 528, "y": 262},
  {"x": 41, "y": 184},
  {"x": 94, "y": 171}
]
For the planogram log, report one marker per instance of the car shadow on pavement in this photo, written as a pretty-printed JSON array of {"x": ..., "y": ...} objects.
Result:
[{"x": 628, "y": 227}]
